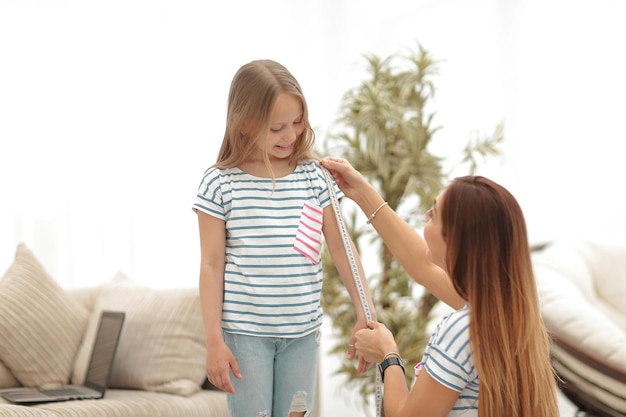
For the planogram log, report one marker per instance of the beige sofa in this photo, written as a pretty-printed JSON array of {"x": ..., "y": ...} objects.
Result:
[
  {"x": 46, "y": 334},
  {"x": 582, "y": 287}
]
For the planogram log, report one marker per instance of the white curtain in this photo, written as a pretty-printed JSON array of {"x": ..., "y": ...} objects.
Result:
[{"x": 110, "y": 111}]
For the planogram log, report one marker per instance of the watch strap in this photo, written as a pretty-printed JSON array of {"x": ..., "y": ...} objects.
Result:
[{"x": 393, "y": 360}]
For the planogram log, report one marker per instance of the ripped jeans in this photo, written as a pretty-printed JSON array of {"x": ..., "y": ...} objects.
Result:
[{"x": 273, "y": 371}]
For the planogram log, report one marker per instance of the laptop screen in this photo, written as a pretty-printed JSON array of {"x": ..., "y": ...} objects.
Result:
[{"x": 104, "y": 348}]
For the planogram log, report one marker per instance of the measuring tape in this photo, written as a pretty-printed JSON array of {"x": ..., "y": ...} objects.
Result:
[{"x": 355, "y": 274}]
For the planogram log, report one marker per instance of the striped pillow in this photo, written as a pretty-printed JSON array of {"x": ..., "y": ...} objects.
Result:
[
  {"x": 41, "y": 326},
  {"x": 162, "y": 345},
  {"x": 7, "y": 380}
]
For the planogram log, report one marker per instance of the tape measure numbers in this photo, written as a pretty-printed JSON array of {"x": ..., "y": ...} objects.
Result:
[{"x": 355, "y": 274}]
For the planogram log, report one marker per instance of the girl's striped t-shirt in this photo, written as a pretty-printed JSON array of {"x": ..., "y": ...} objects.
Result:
[{"x": 273, "y": 270}]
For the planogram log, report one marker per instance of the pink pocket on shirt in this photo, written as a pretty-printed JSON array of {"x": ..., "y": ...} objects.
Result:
[{"x": 309, "y": 235}]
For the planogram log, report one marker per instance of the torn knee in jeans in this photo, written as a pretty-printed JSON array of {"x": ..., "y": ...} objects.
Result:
[{"x": 298, "y": 405}]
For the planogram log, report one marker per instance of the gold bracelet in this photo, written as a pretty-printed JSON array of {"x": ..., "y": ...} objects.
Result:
[
  {"x": 391, "y": 354},
  {"x": 369, "y": 221}
]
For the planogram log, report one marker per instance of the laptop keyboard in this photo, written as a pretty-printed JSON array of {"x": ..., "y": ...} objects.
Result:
[{"x": 62, "y": 392}]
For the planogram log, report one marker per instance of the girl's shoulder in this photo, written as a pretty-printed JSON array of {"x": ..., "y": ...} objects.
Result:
[
  {"x": 310, "y": 169},
  {"x": 309, "y": 164},
  {"x": 218, "y": 172},
  {"x": 215, "y": 179},
  {"x": 222, "y": 170}
]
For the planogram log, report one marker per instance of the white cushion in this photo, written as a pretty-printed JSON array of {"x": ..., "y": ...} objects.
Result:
[
  {"x": 7, "y": 379},
  {"x": 41, "y": 326},
  {"x": 608, "y": 267},
  {"x": 124, "y": 403},
  {"x": 577, "y": 282},
  {"x": 161, "y": 347}
]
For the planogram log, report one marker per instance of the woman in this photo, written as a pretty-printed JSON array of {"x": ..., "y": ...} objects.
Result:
[{"x": 491, "y": 357}]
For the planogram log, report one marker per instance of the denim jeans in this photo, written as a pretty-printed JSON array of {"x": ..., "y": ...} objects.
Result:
[{"x": 273, "y": 370}]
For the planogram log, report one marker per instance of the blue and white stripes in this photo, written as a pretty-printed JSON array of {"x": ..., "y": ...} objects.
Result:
[
  {"x": 448, "y": 359},
  {"x": 271, "y": 287}
]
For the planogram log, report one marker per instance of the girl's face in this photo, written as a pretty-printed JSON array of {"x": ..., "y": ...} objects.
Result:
[
  {"x": 432, "y": 234},
  {"x": 286, "y": 126}
]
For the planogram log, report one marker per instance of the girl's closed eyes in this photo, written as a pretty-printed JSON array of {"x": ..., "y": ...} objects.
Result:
[{"x": 278, "y": 128}]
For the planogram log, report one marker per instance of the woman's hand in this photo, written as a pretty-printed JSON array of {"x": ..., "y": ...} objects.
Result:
[
  {"x": 374, "y": 343},
  {"x": 348, "y": 179}
]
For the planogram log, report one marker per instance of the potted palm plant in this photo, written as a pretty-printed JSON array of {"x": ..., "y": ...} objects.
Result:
[{"x": 386, "y": 127}]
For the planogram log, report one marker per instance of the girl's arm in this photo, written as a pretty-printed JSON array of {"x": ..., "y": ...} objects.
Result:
[
  {"x": 338, "y": 254},
  {"x": 212, "y": 252}
]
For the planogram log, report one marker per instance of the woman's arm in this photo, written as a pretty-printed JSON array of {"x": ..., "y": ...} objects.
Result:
[
  {"x": 212, "y": 252},
  {"x": 408, "y": 247},
  {"x": 427, "y": 397}
]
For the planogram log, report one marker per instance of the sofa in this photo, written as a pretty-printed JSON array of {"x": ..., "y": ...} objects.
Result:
[
  {"x": 582, "y": 289},
  {"x": 46, "y": 335}
]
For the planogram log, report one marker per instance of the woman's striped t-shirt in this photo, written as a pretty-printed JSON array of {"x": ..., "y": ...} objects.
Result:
[
  {"x": 273, "y": 271},
  {"x": 448, "y": 359}
]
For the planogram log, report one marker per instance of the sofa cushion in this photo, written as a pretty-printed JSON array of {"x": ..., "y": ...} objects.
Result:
[
  {"x": 161, "y": 347},
  {"x": 581, "y": 288},
  {"x": 10, "y": 410},
  {"x": 608, "y": 266},
  {"x": 41, "y": 326},
  {"x": 7, "y": 379},
  {"x": 135, "y": 403},
  {"x": 571, "y": 305},
  {"x": 85, "y": 296}
]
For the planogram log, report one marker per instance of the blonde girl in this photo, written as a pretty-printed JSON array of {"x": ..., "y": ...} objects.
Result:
[{"x": 263, "y": 212}]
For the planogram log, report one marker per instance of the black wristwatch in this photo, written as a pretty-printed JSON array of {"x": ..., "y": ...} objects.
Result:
[{"x": 393, "y": 360}]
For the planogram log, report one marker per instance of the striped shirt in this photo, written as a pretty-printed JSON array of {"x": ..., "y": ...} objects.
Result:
[
  {"x": 448, "y": 359},
  {"x": 273, "y": 270}
]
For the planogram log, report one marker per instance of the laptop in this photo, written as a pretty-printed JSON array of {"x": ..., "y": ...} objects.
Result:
[{"x": 98, "y": 371}]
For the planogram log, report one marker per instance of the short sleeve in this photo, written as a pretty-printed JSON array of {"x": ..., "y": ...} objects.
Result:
[
  {"x": 448, "y": 356},
  {"x": 324, "y": 197},
  {"x": 209, "y": 198}
]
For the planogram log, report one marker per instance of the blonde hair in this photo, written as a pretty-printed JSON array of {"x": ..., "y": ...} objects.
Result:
[
  {"x": 488, "y": 259},
  {"x": 253, "y": 94}
]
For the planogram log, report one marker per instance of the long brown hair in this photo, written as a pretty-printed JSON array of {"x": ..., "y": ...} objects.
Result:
[
  {"x": 253, "y": 93},
  {"x": 488, "y": 260}
]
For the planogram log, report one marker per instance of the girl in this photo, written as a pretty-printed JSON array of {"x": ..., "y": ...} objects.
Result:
[
  {"x": 490, "y": 358},
  {"x": 262, "y": 211}
]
